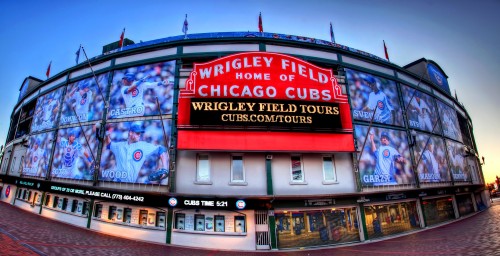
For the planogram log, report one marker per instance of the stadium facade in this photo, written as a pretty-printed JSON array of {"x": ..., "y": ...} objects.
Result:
[{"x": 243, "y": 141}]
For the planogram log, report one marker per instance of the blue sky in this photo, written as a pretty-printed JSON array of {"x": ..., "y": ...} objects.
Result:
[{"x": 461, "y": 36}]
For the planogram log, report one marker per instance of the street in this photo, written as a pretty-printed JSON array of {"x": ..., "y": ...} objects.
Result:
[{"x": 23, "y": 233}]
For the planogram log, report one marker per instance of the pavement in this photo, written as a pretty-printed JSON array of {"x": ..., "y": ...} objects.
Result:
[{"x": 24, "y": 233}]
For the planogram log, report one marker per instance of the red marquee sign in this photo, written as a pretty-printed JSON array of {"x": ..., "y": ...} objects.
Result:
[{"x": 263, "y": 89}]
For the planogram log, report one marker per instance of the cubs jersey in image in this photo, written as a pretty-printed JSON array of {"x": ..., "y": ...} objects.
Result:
[
  {"x": 385, "y": 157},
  {"x": 379, "y": 100},
  {"x": 36, "y": 156},
  {"x": 134, "y": 100},
  {"x": 82, "y": 105},
  {"x": 431, "y": 164},
  {"x": 424, "y": 120},
  {"x": 35, "y": 159},
  {"x": 130, "y": 157},
  {"x": 47, "y": 110},
  {"x": 70, "y": 156}
]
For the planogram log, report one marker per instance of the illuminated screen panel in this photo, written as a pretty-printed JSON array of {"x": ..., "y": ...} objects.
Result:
[
  {"x": 421, "y": 110},
  {"x": 385, "y": 159},
  {"x": 430, "y": 154},
  {"x": 235, "y": 97},
  {"x": 134, "y": 90},
  {"x": 369, "y": 92},
  {"x": 458, "y": 163},
  {"x": 136, "y": 152},
  {"x": 83, "y": 101},
  {"x": 47, "y": 111},
  {"x": 449, "y": 121},
  {"x": 37, "y": 156},
  {"x": 73, "y": 157}
]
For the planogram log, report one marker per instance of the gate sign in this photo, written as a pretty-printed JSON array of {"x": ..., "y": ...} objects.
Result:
[{"x": 257, "y": 91}]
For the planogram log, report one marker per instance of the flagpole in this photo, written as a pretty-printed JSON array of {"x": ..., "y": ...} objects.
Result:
[
  {"x": 95, "y": 78},
  {"x": 185, "y": 27}
]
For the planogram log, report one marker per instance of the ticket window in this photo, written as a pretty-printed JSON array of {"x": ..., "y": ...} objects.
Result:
[
  {"x": 56, "y": 201},
  {"x": 85, "y": 208},
  {"x": 64, "y": 204},
  {"x": 119, "y": 214},
  {"x": 98, "y": 210},
  {"x": 199, "y": 222},
  {"x": 79, "y": 207},
  {"x": 29, "y": 196},
  {"x": 160, "y": 219},
  {"x": 127, "y": 215},
  {"x": 143, "y": 217},
  {"x": 151, "y": 219},
  {"x": 219, "y": 223},
  {"x": 47, "y": 200},
  {"x": 239, "y": 224},
  {"x": 38, "y": 198},
  {"x": 74, "y": 205},
  {"x": 35, "y": 197},
  {"x": 180, "y": 219},
  {"x": 60, "y": 203},
  {"x": 112, "y": 213}
]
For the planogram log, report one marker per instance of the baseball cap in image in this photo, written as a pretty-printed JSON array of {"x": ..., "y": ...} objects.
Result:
[
  {"x": 369, "y": 79},
  {"x": 83, "y": 84},
  {"x": 129, "y": 77},
  {"x": 137, "y": 128},
  {"x": 385, "y": 134}
]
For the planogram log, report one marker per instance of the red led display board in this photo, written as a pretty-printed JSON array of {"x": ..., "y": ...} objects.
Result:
[{"x": 261, "y": 101}]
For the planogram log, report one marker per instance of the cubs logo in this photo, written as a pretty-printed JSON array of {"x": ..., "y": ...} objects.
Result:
[
  {"x": 135, "y": 92},
  {"x": 380, "y": 104},
  {"x": 386, "y": 153},
  {"x": 438, "y": 77},
  {"x": 68, "y": 149},
  {"x": 35, "y": 159},
  {"x": 240, "y": 204},
  {"x": 137, "y": 155},
  {"x": 172, "y": 201},
  {"x": 83, "y": 101}
]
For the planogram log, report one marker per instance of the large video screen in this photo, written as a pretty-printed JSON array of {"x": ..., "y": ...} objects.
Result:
[
  {"x": 73, "y": 157},
  {"x": 134, "y": 90},
  {"x": 369, "y": 93},
  {"x": 449, "y": 120},
  {"x": 458, "y": 163},
  {"x": 136, "y": 152},
  {"x": 83, "y": 100},
  {"x": 385, "y": 159},
  {"x": 430, "y": 154},
  {"x": 421, "y": 110},
  {"x": 47, "y": 111},
  {"x": 37, "y": 157}
]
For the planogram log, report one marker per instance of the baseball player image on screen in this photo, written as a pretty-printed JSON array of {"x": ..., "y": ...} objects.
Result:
[
  {"x": 131, "y": 154},
  {"x": 386, "y": 158},
  {"x": 378, "y": 99},
  {"x": 35, "y": 160},
  {"x": 132, "y": 93},
  {"x": 420, "y": 108},
  {"x": 72, "y": 151},
  {"x": 79, "y": 99},
  {"x": 46, "y": 113},
  {"x": 449, "y": 128},
  {"x": 431, "y": 165}
]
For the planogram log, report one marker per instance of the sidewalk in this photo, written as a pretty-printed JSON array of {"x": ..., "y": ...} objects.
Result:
[{"x": 24, "y": 233}]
